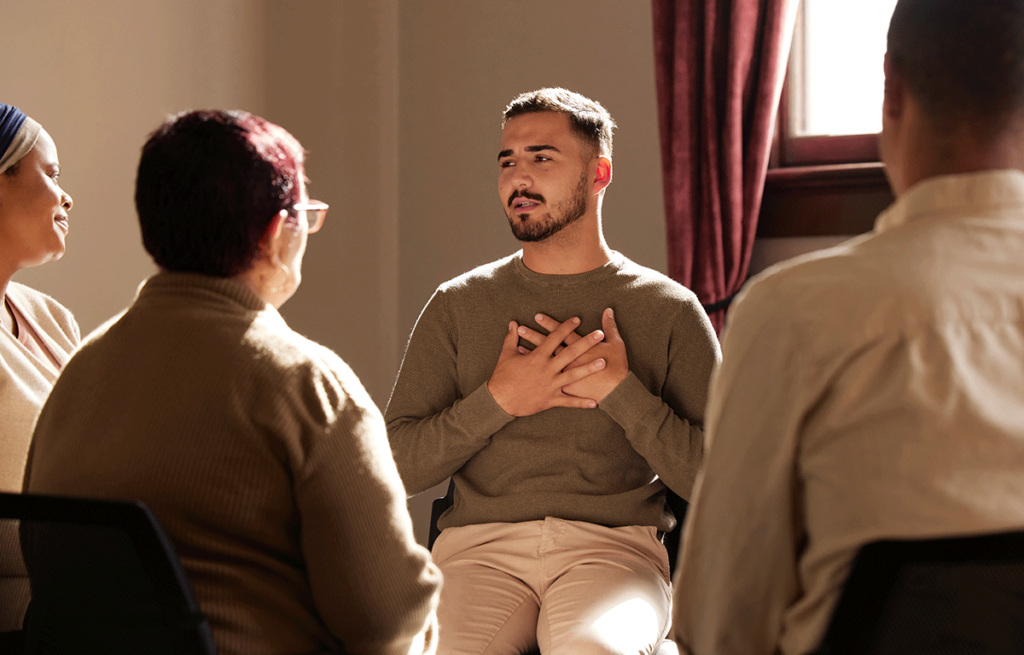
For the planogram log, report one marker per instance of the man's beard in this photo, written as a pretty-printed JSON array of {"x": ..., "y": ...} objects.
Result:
[{"x": 567, "y": 212}]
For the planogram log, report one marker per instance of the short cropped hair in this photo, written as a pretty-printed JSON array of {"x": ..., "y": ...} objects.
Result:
[
  {"x": 587, "y": 118},
  {"x": 209, "y": 184},
  {"x": 963, "y": 60}
]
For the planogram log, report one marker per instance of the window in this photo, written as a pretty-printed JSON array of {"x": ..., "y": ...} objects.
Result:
[
  {"x": 825, "y": 178},
  {"x": 831, "y": 106}
]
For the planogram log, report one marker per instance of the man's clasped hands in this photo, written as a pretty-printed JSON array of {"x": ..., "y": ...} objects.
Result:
[{"x": 564, "y": 369}]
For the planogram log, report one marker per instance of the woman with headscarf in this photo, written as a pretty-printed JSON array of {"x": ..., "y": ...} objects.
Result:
[{"x": 38, "y": 333}]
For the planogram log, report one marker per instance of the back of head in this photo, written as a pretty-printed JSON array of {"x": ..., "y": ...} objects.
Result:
[
  {"x": 589, "y": 120},
  {"x": 208, "y": 185},
  {"x": 963, "y": 60}
]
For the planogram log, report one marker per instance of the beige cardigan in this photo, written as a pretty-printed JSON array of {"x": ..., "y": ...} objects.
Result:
[{"x": 25, "y": 383}]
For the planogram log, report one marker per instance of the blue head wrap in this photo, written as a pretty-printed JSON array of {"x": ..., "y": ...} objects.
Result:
[
  {"x": 18, "y": 134},
  {"x": 11, "y": 120}
]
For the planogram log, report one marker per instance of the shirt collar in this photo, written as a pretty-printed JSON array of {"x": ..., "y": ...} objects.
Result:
[{"x": 952, "y": 194}]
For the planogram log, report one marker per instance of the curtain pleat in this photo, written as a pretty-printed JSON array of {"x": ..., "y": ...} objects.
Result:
[{"x": 719, "y": 70}]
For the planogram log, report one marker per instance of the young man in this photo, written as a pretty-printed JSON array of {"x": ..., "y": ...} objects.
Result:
[
  {"x": 563, "y": 388},
  {"x": 876, "y": 390}
]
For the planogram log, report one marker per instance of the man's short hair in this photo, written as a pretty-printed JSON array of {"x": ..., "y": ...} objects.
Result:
[
  {"x": 588, "y": 119},
  {"x": 208, "y": 186},
  {"x": 963, "y": 60}
]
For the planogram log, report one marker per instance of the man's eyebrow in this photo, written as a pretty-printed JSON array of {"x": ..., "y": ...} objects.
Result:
[{"x": 508, "y": 153}]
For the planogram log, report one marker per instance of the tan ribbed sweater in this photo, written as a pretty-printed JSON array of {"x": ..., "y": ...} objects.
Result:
[
  {"x": 263, "y": 456},
  {"x": 607, "y": 465}
]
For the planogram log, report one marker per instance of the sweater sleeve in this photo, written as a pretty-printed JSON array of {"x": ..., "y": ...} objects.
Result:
[
  {"x": 432, "y": 428},
  {"x": 374, "y": 586},
  {"x": 667, "y": 429}
]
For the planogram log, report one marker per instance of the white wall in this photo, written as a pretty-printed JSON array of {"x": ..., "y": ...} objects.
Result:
[{"x": 398, "y": 103}]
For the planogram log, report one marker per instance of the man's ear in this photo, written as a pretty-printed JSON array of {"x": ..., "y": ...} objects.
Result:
[
  {"x": 895, "y": 90},
  {"x": 603, "y": 174},
  {"x": 270, "y": 241}
]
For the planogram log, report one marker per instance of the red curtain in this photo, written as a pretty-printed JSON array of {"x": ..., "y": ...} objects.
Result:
[{"x": 719, "y": 69}]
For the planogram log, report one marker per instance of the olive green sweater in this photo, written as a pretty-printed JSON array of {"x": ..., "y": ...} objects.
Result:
[
  {"x": 607, "y": 465},
  {"x": 261, "y": 454}
]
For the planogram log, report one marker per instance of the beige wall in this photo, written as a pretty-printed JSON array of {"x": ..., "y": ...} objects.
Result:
[
  {"x": 461, "y": 63},
  {"x": 398, "y": 103},
  {"x": 100, "y": 75},
  {"x": 331, "y": 68}
]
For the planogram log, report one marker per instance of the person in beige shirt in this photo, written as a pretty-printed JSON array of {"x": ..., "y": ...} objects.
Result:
[
  {"x": 875, "y": 390},
  {"x": 258, "y": 449}
]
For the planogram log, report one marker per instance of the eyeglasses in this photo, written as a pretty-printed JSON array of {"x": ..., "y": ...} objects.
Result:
[{"x": 312, "y": 213}]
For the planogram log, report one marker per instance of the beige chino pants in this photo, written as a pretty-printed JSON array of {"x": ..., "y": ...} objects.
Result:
[{"x": 573, "y": 588}]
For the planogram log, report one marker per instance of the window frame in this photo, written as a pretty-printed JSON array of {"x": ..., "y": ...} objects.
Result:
[
  {"x": 791, "y": 150},
  {"x": 819, "y": 185}
]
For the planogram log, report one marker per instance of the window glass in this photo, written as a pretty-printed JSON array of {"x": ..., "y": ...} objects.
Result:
[{"x": 838, "y": 54}]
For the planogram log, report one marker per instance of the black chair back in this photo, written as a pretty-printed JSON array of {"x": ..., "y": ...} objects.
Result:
[
  {"x": 437, "y": 508},
  {"x": 947, "y": 596},
  {"x": 105, "y": 578}
]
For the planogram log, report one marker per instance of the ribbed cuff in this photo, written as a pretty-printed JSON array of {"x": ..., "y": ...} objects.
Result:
[
  {"x": 629, "y": 402},
  {"x": 485, "y": 411}
]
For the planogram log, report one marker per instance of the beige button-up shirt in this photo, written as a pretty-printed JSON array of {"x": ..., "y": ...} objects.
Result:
[{"x": 869, "y": 391}]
